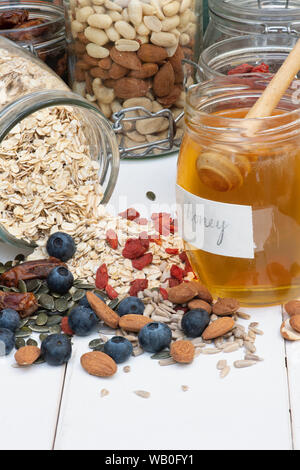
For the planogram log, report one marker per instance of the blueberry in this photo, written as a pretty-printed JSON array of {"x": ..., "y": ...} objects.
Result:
[
  {"x": 7, "y": 339},
  {"x": 155, "y": 336},
  {"x": 194, "y": 322},
  {"x": 56, "y": 349},
  {"x": 119, "y": 348},
  {"x": 61, "y": 246},
  {"x": 82, "y": 320},
  {"x": 85, "y": 303},
  {"x": 60, "y": 280},
  {"x": 131, "y": 305},
  {"x": 9, "y": 319}
]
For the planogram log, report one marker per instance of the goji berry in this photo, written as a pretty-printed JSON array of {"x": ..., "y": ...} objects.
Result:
[
  {"x": 112, "y": 294},
  {"x": 144, "y": 237},
  {"x": 243, "y": 68},
  {"x": 134, "y": 248},
  {"x": 138, "y": 285},
  {"x": 141, "y": 221},
  {"x": 262, "y": 68},
  {"x": 112, "y": 239},
  {"x": 188, "y": 267},
  {"x": 142, "y": 261},
  {"x": 183, "y": 256},
  {"x": 101, "y": 277},
  {"x": 173, "y": 282},
  {"x": 130, "y": 214},
  {"x": 65, "y": 327},
  {"x": 176, "y": 272},
  {"x": 164, "y": 293},
  {"x": 172, "y": 251}
]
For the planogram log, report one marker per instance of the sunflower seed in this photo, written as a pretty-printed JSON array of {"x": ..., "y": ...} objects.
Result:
[
  {"x": 224, "y": 372},
  {"x": 41, "y": 319},
  {"x": 104, "y": 392},
  {"x": 211, "y": 351},
  {"x": 161, "y": 355},
  {"x": 242, "y": 364},
  {"x": 22, "y": 286},
  {"x": 31, "y": 342},
  {"x": 250, "y": 347},
  {"x": 221, "y": 364},
  {"x": 137, "y": 351},
  {"x": 243, "y": 315},
  {"x": 54, "y": 320},
  {"x": 126, "y": 369},
  {"x": 142, "y": 393},
  {"x": 20, "y": 343},
  {"x": 231, "y": 348},
  {"x": 256, "y": 330},
  {"x": 253, "y": 357},
  {"x": 46, "y": 301},
  {"x": 166, "y": 362}
]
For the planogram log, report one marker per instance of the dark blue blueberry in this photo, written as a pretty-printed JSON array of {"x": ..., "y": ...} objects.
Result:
[
  {"x": 56, "y": 349},
  {"x": 155, "y": 336},
  {"x": 7, "y": 337},
  {"x": 119, "y": 348},
  {"x": 194, "y": 322},
  {"x": 60, "y": 280},
  {"x": 9, "y": 319},
  {"x": 82, "y": 320},
  {"x": 61, "y": 246},
  {"x": 85, "y": 303},
  {"x": 131, "y": 305}
]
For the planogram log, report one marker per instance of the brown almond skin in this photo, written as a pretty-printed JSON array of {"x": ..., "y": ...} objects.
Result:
[
  {"x": 151, "y": 53},
  {"x": 128, "y": 60},
  {"x": 225, "y": 306},
  {"x": 27, "y": 355},
  {"x": 97, "y": 72},
  {"x": 197, "y": 303},
  {"x": 90, "y": 60},
  {"x": 182, "y": 293},
  {"x": 292, "y": 307},
  {"x": 128, "y": 87},
  {"x": 218, "y": 328},
  {"x": 147, "y": 70},
  {"x": 98, "y": 364},
  {"x": 132, "y": 322},
  {"x": 102, "y": 310},
  {"x": 295, "y": 322},
  {"x": 105, "y": 63},
  {"x": 117, "y": 71},
  {"x": 164, "y": 80},
  {"x": 183, "y": 351},
  {"x": 171, "y": 98},
  {"x": 202, "y": 292}
]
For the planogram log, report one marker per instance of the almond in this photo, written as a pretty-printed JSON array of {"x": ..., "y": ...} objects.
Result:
[
  {"x": 132, "y": 322},
  {"x": 287, "y": 332},
  {"x": 99, "y": 364},
  {"x": 147, "y": 70},
  {"x": 164, "y": 80},
  {"x": 182, "y": 293},
  {"x": 102, "y": 310},
  {"x": 202, "y": 292},
  {"x": 128, "y": 60},
  {"x": 218, "y": 328},
  {"x": 151, "y": 53},
  {"x": 292, "y": 307},
  {"x": 183, "y": 351},
  {"x": 27, "y": 355},
  {"x": 117, "y": 71},
  {"x": 225, "y": 306},
  {"x": 176, "y": 62},
  {"x": 98, "y": 72},
  {"x": 130, "y": 88},
  {"x": 295, "y": 323},
  {"x": 105, "y": 63},
  {"x": 201, "y": 304},
  {"x": 171, "y": 98}
]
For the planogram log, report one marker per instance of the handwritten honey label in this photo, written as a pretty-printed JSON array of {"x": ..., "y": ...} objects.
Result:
[{"x": 216, "y": 227}]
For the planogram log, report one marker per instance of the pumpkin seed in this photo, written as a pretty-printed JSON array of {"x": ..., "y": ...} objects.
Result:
[
  {"x": 43, "y": 336},
  {"x": 23, "y": 332},
  {"x": 114, "y": 303},
  {"x": 46, "y": 301},
  {"x": 19, "y": 343},
  {"x": 81, "y": 285},
  {"x": 23, "y": 322},
  {"x": 39, "y": 329},
  {"x": 150, "y": 195},
  {"x": 61, "y": 305},
  {"x": 70, "y": 304},
  {"x": 54, "y": 320},
  {"x": 43, "y": 289},
  {"x": 96, "y": 343},
  {"x": 33, "y": 285},
  {"x": 2, "y": 269},
  {"x": 67, "y": 296},
  {"x": 161, "y": 355},
  {"x": 31, "y": 342},
  {"x": 42, "y": 319},
  {"x": 55, "y": 295},
  {"x": 78, "y": 294},
  {"x": 8, "y": 264},
  {"x": 22, "y": 286},
  {"x": 40, "y": 360},
  {"x": 55, "y": 330}
]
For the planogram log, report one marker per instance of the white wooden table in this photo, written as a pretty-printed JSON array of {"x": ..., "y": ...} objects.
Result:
[{"x": 60, "y": 408}]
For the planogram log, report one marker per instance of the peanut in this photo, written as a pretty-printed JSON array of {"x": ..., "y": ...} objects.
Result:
[
  {"x": 96, "y": 36},
  {"x": 83, "y": 14},
  {"x": 125, "y": 30},
  {"x": 163, "y": 39},
  {"x": 135, "y": 12},
  {"x": 96, "y": 51},
  {"x": 100, "y": 21},
  {"x": 171, "y": 9},
  {"x": 153, "y": 23}
]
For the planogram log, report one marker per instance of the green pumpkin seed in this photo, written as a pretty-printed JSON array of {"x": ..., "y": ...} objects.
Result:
[
  {"x": 47, "y": 301},
  {"x": 23, "y": 322},
  {"x": 54, "y": 320},
  {"x": 61, "y": 305},
  {"x": 39, "y": 329},
  {"x": 20, "y": 343},
  {"x": 150, "y": 195},
  {"x": 33, "y": 285},
  {"x": 22, "y": 286},
  {"x": 43, "y": 336},
  {"x": 78, "y": 294},
  {"x": 70, "y": 304},
  {"x": 43, "y": 289},
  {"x": 114, "y": 303},
  {"x": 66, "y": 296},
  {"x": 161, "y": 355},
  {"x": 24, "y": 332},
  {"x": 81, "y": 285},
  {"x": 55, "y": 330},
  {"x": 55, "y": 295},
  {"x": 31, "y": 342},
  {"x": 40, "y": 360},
  {"x": 2, "y": 269},
  {"x": 95, "y": 343},
  {"x": 42, "y": 319}
]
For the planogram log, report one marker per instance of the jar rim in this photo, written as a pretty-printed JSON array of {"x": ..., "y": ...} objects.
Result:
[{"x": 228, "y": 9}]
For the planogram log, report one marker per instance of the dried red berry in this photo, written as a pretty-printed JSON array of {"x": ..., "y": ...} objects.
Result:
[
  {"x": 176, "y": 272},
  {"x": 130, "y": 214},
  {"x": 172, "y": 251},
  {"x": 138, "y": 285},
  {"x": 183, "y": 256},
  {"x": 142, "y": 261},
  {"x": 141, "y": 221},
  {"x": 262, "y": 68},
  {"x": 173, "y": 282},
  {"x": 240, "y": 69},
  {"x": 65, "y": 327},
  {"x": 112, "y": 294},
  {"x": 135, "y": 247},
  {"x": 101, "y": 277},
  {"x": 112, "y": 239},
  {"x": 164, "y": 293}
]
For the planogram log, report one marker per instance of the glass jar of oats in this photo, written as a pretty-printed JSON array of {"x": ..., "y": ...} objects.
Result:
[
  {"x": 59, "y": 157},
  {"x": 127, "y": 58}
]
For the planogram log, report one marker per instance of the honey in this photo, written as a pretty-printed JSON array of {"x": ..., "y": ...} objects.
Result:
[{"x": 262, "y": 175}]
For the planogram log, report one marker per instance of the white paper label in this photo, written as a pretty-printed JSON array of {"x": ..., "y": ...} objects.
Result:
[{"x": 216, "y": 227}]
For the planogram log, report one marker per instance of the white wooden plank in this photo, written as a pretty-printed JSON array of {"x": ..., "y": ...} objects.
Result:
[{"x": 29, "y": 398}]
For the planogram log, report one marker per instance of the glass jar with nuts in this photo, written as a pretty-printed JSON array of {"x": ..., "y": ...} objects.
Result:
[{"x": 127, "y": 59}]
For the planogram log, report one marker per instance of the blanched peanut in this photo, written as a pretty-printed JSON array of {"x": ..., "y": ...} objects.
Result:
[
  {"x": 116, "y": 106},
  {"x": 112, "y": 34},
  {"x": 170, "y": 23},
  {"x": 97, "y": 2},
  {"x": 135, "y": 12},
  {"x": 185, "y": 4},
  {"x": 125, "y": 29},
  {"x": 82, "y": 14},
  {"x": 184, "y": 39},
  {"x": 153, "y": 23},
  {"x": 175, "y": 32},
  {"x": 148, "y": 9},
  {"x": 143, "y": 39},
  {"x": 127, "y": 45},
  {"x": 142, "y": 29},
  {"x": 157, "y": 9},
  {"x": 103, "y": 94},
  {"x": 185, "y": 18},
  {"x": 98, "y": 52},
  {"x": 164, "y": 39},
  {"x": 115, "y": 15},
  {"x": 171, "y": 9},
  {"x": 112, "y": 6},
  {"x": 99, "y": 9},
  {"x": 125, "y": 15},
  {"x": 96, "y": 36},
  {"x": 105, "y": 108},
  {"x": 100, "y": 21},
  {"x": 77, "y": 27},
  {"x": 84, "y": 3}
]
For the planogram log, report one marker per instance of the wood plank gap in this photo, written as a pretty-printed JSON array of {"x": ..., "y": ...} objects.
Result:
[{"x": 59, "y": 407}]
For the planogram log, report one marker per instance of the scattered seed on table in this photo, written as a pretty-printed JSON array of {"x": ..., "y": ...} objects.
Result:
[
  {"x": 150, "y": 195},
  {"x": 231, "y": 348},
  {"x": 126, "y": 369},
  {"x": 142, "y": 393},
  {"x": 104, "y": 392},
  {"x": 185, "y": 388},
  {"x": 242, "y": 364},
  {"x": 221, "y": 364},
  {"x": 224, "y": 372},
  {"x": 253, "y": 357},
  {"x": 167, "y": 362},
  {"x": 243, "y": 315}
]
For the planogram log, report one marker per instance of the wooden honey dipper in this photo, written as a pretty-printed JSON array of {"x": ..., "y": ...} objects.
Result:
[{"x": 224, "y": 173}]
